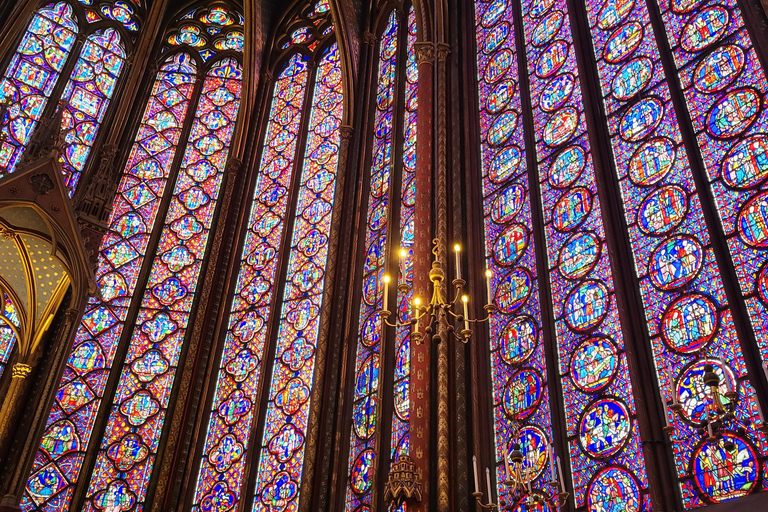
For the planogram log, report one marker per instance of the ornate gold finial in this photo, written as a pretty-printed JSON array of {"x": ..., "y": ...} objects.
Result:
[
  {"x": 20, "y": 370},
  {"x": 404, "y": 482},
  {"x": 7, "y": 233}
]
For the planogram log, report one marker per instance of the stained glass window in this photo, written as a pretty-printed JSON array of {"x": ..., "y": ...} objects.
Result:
[
  {"x": 607, "y": 464},
  {"x": 519, "y": 373},
  {"x": 31, "y": 76},
  {"x": 134, "y": 211},
  {"x": 724, "y": 86},
  {"x": 9, "y": 324},
  {"x": 689, "y": 319},
  {"x": 367, "y": 360},
  {"x": 229, "y": 434},
  {"x": 400, "y": 433},
  {"x": 281, "y": 462},
  {"x": 126, "y": 452},
  {"x": 87, "y": 96}
]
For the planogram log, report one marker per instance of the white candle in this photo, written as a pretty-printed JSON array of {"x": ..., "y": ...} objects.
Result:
[
  {"x": 415, "y": 315},
  {"x": 709, "y": 430},
  {"x": 765, "y": 370},
  {"x": 666, "y": 410},
  {"x": 560, "y": 473},
  {"x": 488, "y": 484},
  {"x": 465, "y": 300},
  {"x": 386, "y": 291},
  {"x": 457, "y": 252},
  {"x": 528, "y": 484},
  {"x": 551, "y": 455},
  {"x": 674, "y": 394},
  {"x": 506, "y": 466},
  {"x": 474, "y": 468},
  {"x": 488, "y": 275}
]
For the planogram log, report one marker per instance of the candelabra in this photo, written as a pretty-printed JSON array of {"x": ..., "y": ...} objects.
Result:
[
  {"x": 719, "y": 414},
  {"x": 518, "y": 481},
  {"x": 437, "y": 310}
]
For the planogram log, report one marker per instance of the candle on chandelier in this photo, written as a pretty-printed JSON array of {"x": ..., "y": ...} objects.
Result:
[
  {"x": 666, "y": 411},
  {"x": 465, "y": 299},
  {"x": 488, "y": 484},
  {"x": 488, "y": 276},
  {"x": 560, "y": 473},
  {"x": 386, "y": 291},
  {"x": 457, "y": 252},
  {"x": 474, "y": 469},
  {"x": 506, "y": 464}
]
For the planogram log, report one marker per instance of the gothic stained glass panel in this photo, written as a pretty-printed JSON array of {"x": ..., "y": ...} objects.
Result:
[
  {"x": 228, "y": 435},
  {"x": 130, "y": 442},
  {"x": 516, "y": 338},
  {"x": 282, "y": 453},
  {"x": 9, "y": 322},
  {"x": 674, "y": 260},
  {"x": 87, "y": 96},
  {"x": 607, "y": 464},
  {"x": 31, "y": 76},
  {"x": 367, "y": 364},
  {"x": 400, "y": 436},
  {"x": 134, "y": 210},
  {"x": 724, "y": 83}
]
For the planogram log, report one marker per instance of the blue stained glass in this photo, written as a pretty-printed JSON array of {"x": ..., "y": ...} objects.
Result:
[
  {"x": 365, "y": 400},
  {"x": 519, "y": 374}
]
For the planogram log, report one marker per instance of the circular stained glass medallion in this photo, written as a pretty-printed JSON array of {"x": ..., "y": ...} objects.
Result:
[
  {"x": 572, "y": 209},
  {"x": 523, "y": 394},
  {"x": 513, "y": 290},
  {"x": 746, "y": 164},
  {"x": 604, "y": 427},
  {"x": 593, "y": 364},
  {"x": 733, "y": 113},
  {"x": 662, "y": 210},
  {"x": 623, "y": 42},
  {"x": 578, "y": 255},
  {"x": 540, "y": 7},
  {"x": 693, "y": 396},
  {"x": 675, "y": 262},
  {"x": 704, "y": 28},
  {"x": 752, "y": 222},
  {"x": 722, "y": 475},
  {"x": 557, "y": 92},
  {"x": 652, "y": 161},
  {"x": 500, "y": 96},
  {"x": 502, "y": 128},
  {"x": 547, "y": 28},
  {"x": 498, "y": 65},
  {"x": 689, "y": 323},
  {"x": 507, "y": 204},
  {"x": 496, "y": 37},
  {"x": 551, "y": 59},
  {"x": 561, "y": 126},
  {"x": 518, "y": 340},
  {"x": 360, "y": 474},
  {"x": 586, "y": 306},
  {"x": 510, "y": 244},
  {"x": 719, "y": 68},
  {"x": 641, "y": 119},
  {"x": 504, "y": 164},
  {"x": 567, "y": 167},
  {"x": 632, "y": 78},
  {"x": 364, "y": 417},
  {"x": 683, "y": 6},
  {"x": 762, "y": 284},
  {"x": 494, "y": 12},
  {"x": 613, "y": 12},
  {"x": 534, "y": 445},
  {"x": 614, "y": 489}
]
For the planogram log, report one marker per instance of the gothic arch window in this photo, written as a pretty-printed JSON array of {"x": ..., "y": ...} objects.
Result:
[
  {"x": 677, "y": 276},
  {"x": 33, "y": 75},
  {"x": 300, "y": 153},
  {"x": 390, "y": 205},
  {"x": 165, "y": 205},
  {"x": 72, "y": 53}
]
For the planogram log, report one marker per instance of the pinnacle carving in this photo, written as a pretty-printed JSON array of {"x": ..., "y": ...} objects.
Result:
[
  {"x": 369, "y": 38},
  {"x": 47, "y": 140}
]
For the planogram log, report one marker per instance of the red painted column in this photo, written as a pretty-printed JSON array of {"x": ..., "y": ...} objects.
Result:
[{"x": 419, "y": 392}]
